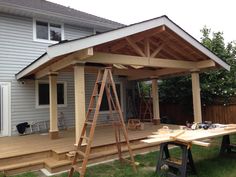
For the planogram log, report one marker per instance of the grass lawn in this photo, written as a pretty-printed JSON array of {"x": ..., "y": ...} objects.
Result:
[{"x": 207, "y": 161}]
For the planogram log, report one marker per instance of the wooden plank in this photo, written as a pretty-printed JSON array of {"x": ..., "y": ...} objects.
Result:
[
  {"x": 138, "y": 37},
  {"x": 196, "y": 97},
  {"x": 147, "y": 47},
  {"x": 79, "y": 84},
  {"x": 135, "y": 47},
  {"x": 53, "y": 132},
  {"x": 65, "y": 62},
  {"x": 201, "y": 143},
  {"x": 107, "y": 58},
  {"x": 155, "y": 97},
  {"x": 154, "y": 54},
  {"x": 159, "y": 73}
]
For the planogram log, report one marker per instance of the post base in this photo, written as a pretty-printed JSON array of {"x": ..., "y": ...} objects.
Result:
[
  {"x": 53, "y": 135},
  {"x": 156, "y": 121}
]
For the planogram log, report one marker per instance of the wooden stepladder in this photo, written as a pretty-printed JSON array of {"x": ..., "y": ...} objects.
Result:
[{"x": 104, "y": 82}]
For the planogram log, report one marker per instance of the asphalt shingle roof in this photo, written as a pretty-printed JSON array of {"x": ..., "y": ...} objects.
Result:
[{"x": 56, "y": 8}]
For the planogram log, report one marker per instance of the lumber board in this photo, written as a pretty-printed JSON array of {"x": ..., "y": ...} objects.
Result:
[{"x": 190, "y": 135}]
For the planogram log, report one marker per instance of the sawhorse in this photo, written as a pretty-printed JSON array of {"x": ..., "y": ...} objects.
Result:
[
  {"x": 226, "y": 147},
  {"x": 175, "y": 165}
]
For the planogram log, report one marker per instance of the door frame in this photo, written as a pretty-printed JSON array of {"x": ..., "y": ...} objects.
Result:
[{"x": 7, "y": 122}]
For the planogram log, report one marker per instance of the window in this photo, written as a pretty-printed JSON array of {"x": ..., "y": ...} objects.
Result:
[
  {"x": 104, "y": 104},
  {"x": 42, "y": 94},
  {"x": 48, "y": 32}
]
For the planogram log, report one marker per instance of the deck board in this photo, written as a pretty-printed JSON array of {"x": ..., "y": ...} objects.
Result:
[{"x": 104, "y": 135}]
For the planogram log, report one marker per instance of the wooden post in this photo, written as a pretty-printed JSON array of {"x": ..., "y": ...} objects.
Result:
[
  {"x": 196, "y": 97},
  {"x": 79, "y": 82},
  {"x": 155, "y": 98},
  {"x": 53, "y": 132}
]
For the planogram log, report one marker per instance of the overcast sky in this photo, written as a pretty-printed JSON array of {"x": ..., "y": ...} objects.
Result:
[{"x": 191, "y": 15}]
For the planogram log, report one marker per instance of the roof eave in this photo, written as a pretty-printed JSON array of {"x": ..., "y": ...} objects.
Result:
[{"x": 75, "y": 45}]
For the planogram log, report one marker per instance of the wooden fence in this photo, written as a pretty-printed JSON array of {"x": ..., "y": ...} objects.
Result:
[{"x": 179, "y": 114}]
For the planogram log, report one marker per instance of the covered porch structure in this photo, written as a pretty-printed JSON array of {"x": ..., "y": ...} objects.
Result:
[{"x": 150, "y": 50}]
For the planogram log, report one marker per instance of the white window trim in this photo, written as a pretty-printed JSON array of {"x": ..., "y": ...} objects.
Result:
[
  {"x": 37, "y": 94},
  {"x": 44, "y": 40},
  {"x": 121, "y": 99}
]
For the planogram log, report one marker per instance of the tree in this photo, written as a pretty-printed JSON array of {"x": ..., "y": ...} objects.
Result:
[{"x": 216, "y": 85}]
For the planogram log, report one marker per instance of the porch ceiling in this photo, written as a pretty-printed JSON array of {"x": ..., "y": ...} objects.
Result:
[{"x": 154, "y": 48}]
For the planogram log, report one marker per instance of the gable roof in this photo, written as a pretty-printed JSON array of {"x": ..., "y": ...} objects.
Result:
[
  {"x": 68, "y": 47},
  {"x": 49, "y": 7}
]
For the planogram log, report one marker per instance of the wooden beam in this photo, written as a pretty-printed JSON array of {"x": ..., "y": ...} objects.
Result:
[
  {"x": 159, "y": 73},
  {"x": 106, "y": 58},
  {"x": 79, "y": 85},
  {"x": 65, "y": 62},
  {"x": 147, "y": 47},
  {"x": 138, "y": 37},
  {"x": 206, "y": 64},
  {"x": 196, "y": 98},
  {"x": 155, "y": 97},
  {"x": 154, "y": 54},
  {"x": 53, "y": 132},
  {"x": 135, "y": 47}
]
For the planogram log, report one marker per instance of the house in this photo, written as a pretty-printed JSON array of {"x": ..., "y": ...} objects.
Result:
[
  {"x": 32, "y": 61},
  {"x": 27, "y": 28}
]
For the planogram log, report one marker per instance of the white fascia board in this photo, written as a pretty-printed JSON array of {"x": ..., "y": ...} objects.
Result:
[
  {"x": 33, "y": 66},
  {"x": 195, "y": 43},
  {"x": 73, "y": 46}
]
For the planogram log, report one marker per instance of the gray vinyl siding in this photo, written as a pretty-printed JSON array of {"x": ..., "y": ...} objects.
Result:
[
  {"x": 24, "y": 102},
  {"x": 17, "y": 50}
]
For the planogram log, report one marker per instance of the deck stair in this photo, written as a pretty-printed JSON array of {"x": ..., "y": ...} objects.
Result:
[{"x": 55, "y": 161}]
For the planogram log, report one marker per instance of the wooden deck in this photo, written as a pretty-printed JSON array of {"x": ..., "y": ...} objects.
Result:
[{"x": 31, "y": 152}]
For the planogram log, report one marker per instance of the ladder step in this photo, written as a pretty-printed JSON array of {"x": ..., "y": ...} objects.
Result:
[
  {"x": 91, "y": 109},
  {"x": 95, "y": 95},
  {"x": 77, "y": 168},
  {"x": 86, "y": 138},
  {"x": 81, "y": 153},
  {"x": 89, "y": 122}
]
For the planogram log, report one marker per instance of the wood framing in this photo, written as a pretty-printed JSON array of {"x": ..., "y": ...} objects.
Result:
[
  {"x": 196, "y": 97},
  {"x": 135, "y": 47},
  {"x": 79, "y": 82},
  {"x": 53, "y": 132},
  {"x": 155, "y": 98},
  {"x": 66, "y": 61},
  {"x": 159, "y": 73},
  {"x": 106, "y": 58}
]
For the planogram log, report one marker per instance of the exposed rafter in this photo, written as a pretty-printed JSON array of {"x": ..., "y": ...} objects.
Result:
[
  {"x": 63, "y": 63},
  {"x": 135, "y": 47}
]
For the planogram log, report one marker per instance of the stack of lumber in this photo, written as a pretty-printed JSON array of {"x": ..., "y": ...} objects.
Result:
[{"x": 190, "y": 136}]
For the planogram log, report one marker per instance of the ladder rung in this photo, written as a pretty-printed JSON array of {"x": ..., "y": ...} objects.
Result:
[
  {"x": 89, "y": 122},
  {"x": 81, "y": 153},
  {"x": 86, "y": 138},
  {"x": 99, "y": 82},
  {"x": 95, "y": 95},
  {"x": 92, "y": 109},
  {"x": 77, "y": 168}
]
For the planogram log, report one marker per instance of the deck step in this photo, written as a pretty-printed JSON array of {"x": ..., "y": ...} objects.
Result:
[
  {"x": 22, "y": 167},
  {"x": 26, "y": 157}
]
